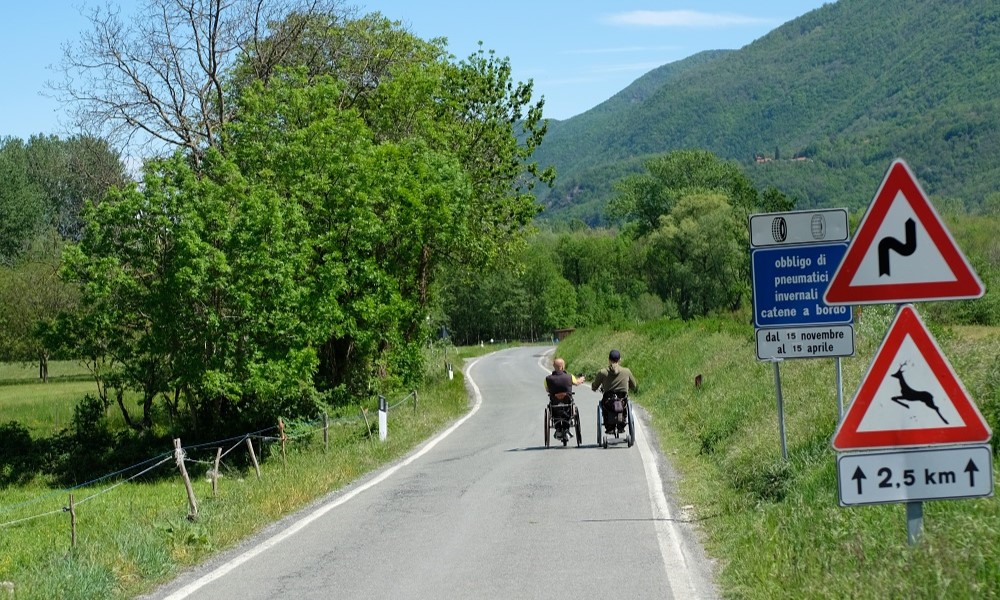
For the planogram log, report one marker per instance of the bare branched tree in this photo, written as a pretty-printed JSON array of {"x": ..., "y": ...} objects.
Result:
[{"x": 156, "y": 81}]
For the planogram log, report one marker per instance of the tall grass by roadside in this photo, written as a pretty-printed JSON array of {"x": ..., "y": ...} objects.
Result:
[
  {"x": 776, "y": 526},
  {"x": 136, "y": 535}
]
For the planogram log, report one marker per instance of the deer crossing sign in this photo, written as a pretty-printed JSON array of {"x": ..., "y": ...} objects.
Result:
[{"x": 910, "y": 396}]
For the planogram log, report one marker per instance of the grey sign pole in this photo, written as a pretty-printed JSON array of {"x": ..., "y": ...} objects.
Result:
[
  {"x": 914, "y": 510},
  {"x": 840, "y": 391},
  {"x": 781, "y": 408},
  {"x": 914, "y": 521}
]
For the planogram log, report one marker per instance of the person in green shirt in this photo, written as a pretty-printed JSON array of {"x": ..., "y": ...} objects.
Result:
[{"x": 615, "y": 382}]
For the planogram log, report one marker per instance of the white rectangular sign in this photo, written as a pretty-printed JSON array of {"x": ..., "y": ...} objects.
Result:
[
  {"x": 805, "y": 342},
  {"x": 798, "y": 227},
  {"x": 915, "y": 475}
]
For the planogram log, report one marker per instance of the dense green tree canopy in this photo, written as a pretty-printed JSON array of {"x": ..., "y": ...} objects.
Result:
[
  {"x": 645, "y": 197},
  {"x": 23, "y": 213},
  {"x": 695, "y": 255},
  {"x": 299, "y": 253}
]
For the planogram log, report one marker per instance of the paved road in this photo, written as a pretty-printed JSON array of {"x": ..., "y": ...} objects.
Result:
[{"x": 482, "y": 511}]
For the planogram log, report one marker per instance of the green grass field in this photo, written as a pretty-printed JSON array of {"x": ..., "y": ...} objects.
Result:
[{"x": 45, "y": 408}]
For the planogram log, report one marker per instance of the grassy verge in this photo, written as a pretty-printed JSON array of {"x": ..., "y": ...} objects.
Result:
[
  {"x": 136, "y": 535},
  {"x": 776, "y": 526}
]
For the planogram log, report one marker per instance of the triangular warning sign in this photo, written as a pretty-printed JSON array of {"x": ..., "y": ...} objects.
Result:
[
  {"x": 910, "y": 396},
  {"x": 902, "y": 251}
]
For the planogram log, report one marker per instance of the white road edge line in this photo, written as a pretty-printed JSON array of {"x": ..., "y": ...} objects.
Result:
[
  {"x": 276, "y": 539},
  {"x": 671, "y": 551},
  {"x": 674, "y": 561}
]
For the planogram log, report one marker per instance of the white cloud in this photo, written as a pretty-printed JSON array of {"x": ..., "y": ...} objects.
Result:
[
  {"x": 682, "y": 18},
  {"x": 621, "y": 50},
  {"x": 627, "y": 67}
]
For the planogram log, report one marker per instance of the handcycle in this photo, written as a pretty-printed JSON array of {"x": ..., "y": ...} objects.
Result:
[
  {"x": 562, "y": 416},
  {"x": 614, "y": 417}
]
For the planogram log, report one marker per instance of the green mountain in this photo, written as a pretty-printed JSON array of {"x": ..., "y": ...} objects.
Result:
[{"x": 817, "y": 108}]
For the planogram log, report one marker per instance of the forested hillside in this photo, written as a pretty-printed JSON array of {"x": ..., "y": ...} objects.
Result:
[{"x": 817, "y": 108}]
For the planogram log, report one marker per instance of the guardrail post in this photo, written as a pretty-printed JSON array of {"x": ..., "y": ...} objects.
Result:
[
  {"x": 383, "y": 418},
  {"x": 326, "y": 431}
]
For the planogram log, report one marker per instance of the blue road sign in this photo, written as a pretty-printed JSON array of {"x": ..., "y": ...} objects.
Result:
[{"x": 789, "y": 283}]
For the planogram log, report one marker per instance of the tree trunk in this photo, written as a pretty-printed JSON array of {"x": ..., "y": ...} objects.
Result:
[
  {"x": 119, "y": 396},
  {"x": 335, "y": 356},
  {"x": 147, "y": 410},
  {"x": 43, "y": 367}
]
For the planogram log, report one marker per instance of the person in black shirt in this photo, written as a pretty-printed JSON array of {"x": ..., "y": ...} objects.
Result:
[{"x": 560, "y": 383}]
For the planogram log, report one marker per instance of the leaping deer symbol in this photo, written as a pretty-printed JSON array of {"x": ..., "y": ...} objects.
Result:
[{"x": 911, "y": 395}]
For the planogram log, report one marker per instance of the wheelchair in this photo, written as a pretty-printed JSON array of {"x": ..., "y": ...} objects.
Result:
[
  {"x": 562, "y": 416},
  {"x": 615, "y": 418}
]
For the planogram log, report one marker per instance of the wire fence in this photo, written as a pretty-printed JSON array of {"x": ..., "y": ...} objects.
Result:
[{"x": 183, "y": 455}]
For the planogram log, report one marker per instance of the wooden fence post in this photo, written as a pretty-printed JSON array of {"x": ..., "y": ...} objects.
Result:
[
  {"x": 281, "y": 430},
  {"x": 326, "y": 431},
  {"x": 192, "y": 501},
  {"x": 414, "y": 401},
  {"x": 364, "y": 413},
  {"x": 72, "y": 523},
  {"x": 253, "y": 457},
  {"x": 215, "y": 472}
]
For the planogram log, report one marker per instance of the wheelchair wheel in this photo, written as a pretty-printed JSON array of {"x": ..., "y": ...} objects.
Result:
[
  {"x": 600, "y": 424},
  {"x": 631, "y": 427},
  {"x": 576, "y": 419},
  {"x": 547, "y": 426}
]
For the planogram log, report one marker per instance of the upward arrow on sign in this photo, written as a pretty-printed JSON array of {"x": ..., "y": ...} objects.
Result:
[{"x": 902, "y": 251}]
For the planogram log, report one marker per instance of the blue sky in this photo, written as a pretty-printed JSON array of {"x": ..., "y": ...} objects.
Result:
[{"x": 578, "y": 52}]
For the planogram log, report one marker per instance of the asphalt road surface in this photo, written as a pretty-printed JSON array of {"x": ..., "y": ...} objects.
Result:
[{"x": 483, "y": 510}]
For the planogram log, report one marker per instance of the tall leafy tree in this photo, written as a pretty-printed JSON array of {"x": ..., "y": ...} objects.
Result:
[
  {"x": 23, "y": 210},
  {"x": 423, "y": 107},
  {"x": 32, "y": 296},
  {"x": 644, "y": 197},
  {"x": 190, "y": 289},
  {"x": 70, "y": 172},
  {"x": 694, "y": 257}
]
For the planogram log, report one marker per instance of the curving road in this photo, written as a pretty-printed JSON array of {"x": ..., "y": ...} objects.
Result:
[{"x": 482, "y": 511}]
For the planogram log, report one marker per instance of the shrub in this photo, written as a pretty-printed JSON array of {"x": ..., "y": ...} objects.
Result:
[{"x": 17, "y": 454}]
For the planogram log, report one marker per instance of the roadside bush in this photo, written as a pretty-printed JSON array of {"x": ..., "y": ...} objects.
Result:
[
  {"x": 84, "y": 450},
  {"x": 17, "y": 454}
]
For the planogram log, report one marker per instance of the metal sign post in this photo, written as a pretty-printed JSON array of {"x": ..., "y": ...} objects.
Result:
[
  {"x": 914, "y": 521},
  {"x": 840, "y": 391},
  {"x": 781, "y": 408}
]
